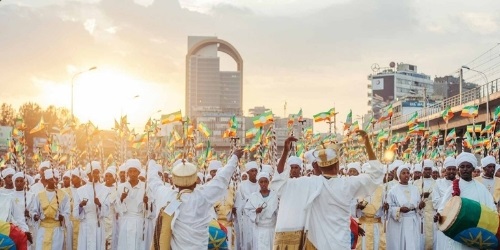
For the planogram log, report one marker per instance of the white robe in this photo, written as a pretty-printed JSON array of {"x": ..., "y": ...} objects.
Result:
[
  {"x": 403, "y": 229},
  {"x": 264, "y": 222},
  {"x": 473, "y": 190},
  {"x": 429, "y": 227},
  {"x": 111, "y": 221},
  {"x": 437, "y": 194},
  {"x": 90, "y": 235},
  {"x": 292, "y": 199},
  {"x": 192, "y": 216},
  {"x": 64, "y": 210},
  {"x": 245, "y": 230},
  {"x": 331, "y": 230},
  {"x": 132, "y": 213},
  {"x": 19, "y": 208}
]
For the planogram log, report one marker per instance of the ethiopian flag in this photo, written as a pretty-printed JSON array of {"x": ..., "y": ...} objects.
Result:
[
  {"x": 451, "y": 135},
  {"x": 323, "y": 116},
  {"x": 204, "y": 130},
  {"x": 173, "y": 117},
  {"x": 39, "y": 127},
  {"x": 447, "y": 114},
  {"x": 263, "y": 119},
  {"x": 470, "y": 111}
]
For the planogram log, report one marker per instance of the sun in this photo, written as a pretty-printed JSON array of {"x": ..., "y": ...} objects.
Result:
[{"x": 102, "y": 95}]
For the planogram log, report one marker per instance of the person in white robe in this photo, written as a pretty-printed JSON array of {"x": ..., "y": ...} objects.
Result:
[
  {"x": 326, "y": 229},
  {"x": 425, "y": 187},
  {"x": 438, "y": 192},
  {"x": 40, "y": 185},
  {"x": 488, "y": 178},
  {"x": 470, "y": 189},
  {"x": 244, "y": 226},
  {"x": 403, "y": 228},
  {"x": 111, "y": 221},
  {"x": 23, "y": 203},
  {"x": 189, "y": 206},
  {"x": 262, "y": 209},
  {"x": 91, "y": 207},
  {"x": 131, "y": 206},
  {"x": 8, "y": 187},
  {"x": 51, "y": 207},
  {"x": 73, "y": 223},
  {"x": 369, "y": 210},
  {"x": 289, "y": 231}
]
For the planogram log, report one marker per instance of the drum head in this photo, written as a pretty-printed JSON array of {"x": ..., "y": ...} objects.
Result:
[{"x": 450, "y": 213}]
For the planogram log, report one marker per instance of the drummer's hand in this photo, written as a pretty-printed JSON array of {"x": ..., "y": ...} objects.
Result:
[
  {"x": 426, "y": 195},
  {"x": 386, "y": 206},
  {"x": 233, "y": 210},
  {"x": 404, "y": 210},
  {"x": 361, "y": 231},
  {"x": 61, "y": 218},
  {"x": 36, "y": 217},
  {"x": 360, "y": 206},
  {"x": 421, "y": 205},
  {"x": 437, "y": 218},
  {"x": 29, "y": 237}
]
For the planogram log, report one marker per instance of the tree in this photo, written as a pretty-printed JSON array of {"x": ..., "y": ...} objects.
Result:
[
  {"x": 31, "y": 114},
  {"x": 7, "y": 115}
]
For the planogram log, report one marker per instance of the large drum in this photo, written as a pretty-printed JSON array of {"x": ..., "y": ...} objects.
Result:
[
  {"x": 470, "y": 223},
  {"x": 12, "y": 237},
  {"x": 217, "y": 236}
]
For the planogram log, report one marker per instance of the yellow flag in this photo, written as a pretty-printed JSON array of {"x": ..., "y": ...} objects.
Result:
[{"x": 38, "y": 127}]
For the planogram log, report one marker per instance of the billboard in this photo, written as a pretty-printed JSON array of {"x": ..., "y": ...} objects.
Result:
[{"x": 382, "y": 93}]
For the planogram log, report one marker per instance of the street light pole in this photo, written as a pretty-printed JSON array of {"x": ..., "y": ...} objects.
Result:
[
  {"x": 72, "y": 88},
  {"x": 487, "y": 92}
]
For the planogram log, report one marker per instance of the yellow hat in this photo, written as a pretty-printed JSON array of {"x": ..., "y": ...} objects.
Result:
[
  {"x": 326, "y": 157},
  {"x": 184, "y": 174}
]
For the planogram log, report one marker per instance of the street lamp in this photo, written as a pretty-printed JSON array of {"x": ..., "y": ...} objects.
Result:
[
  {"x": 487, "y": 92},
  {"x": 72, "y": 88}
]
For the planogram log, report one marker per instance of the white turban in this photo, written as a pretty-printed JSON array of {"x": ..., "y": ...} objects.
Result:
[
  {"x": 267, "y": 168},
  {"x": 48, "y": 173},
  {"x": 251, "y": 165},
  {"x": 354, "y": 165},
  {"x": 214, "y": 165},
  {"x": 435, "y": 169},
  {"x": 93, "y": 165},
  {"x": 244, "y": 173},
  {"x": 428, "y": 163},
  {"x": 8, "y": 171},
  {"x": 263, "y": 175},
  {"x": 467, "y": 157},
  {"x": 450, "y": 162},
  {"x": 37, "y": 177},
  {"x": 309, "y": 155},
  {"x": 77, "y": 172},
  {"x": 417, "y": 167},
  {"x": 111, "y": 170},
  {"x": 488, "y": 160},
  {"x": 133, "y": 163},
  {"x": 395, "y": 164},
  {"x": 67, "y": 174},
  {"x": 294, "y": 160},
  {"x": 122, "y": 168},
  {"x": 56, "y": 174},
  {"x": 44, "y": 164},
  {"x": 18, "y": 175},
  {"x": 400, "y": 168}
]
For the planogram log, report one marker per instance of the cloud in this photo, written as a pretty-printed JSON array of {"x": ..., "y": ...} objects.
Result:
[{"x": 480, "y": 22}]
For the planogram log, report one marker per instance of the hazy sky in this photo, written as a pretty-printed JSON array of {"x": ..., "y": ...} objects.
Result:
[{"x": 312, "y": 54}]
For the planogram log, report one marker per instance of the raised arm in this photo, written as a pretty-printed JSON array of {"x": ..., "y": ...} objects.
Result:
[
  {"x": 284, "y": 156},
  {"x": 217, "y": 187}
]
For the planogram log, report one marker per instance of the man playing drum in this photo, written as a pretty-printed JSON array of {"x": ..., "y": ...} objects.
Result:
[{"x": 465, "y": 187}]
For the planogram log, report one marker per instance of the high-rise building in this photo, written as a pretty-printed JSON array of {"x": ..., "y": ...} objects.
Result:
[
  {"x": 397, "y": 82},
  {"x": 214, "y": 96},
  {"x": 207, "y": 88},
  {"x": 448, "y": 86}
]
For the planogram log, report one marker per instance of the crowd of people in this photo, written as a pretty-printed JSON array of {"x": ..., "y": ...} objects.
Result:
[{"x": 310, "y": 203}]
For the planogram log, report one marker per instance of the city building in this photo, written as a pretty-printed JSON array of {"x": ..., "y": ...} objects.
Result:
[
  {"x": 448, "y": 86},
  {"x": 394, "y": 83}
]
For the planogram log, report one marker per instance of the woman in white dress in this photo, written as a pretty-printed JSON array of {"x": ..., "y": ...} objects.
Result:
[
  {"x": 262, "y": 209},
  {"x": 404, "y": 225}
]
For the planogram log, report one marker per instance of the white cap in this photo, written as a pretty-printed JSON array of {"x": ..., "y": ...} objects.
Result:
[
  {"x": 133, "y": 163},
  {"x": 67, "y": 174},
  {"x": 487, "y": 161},
  {"x": 294, "y": 160},
  {"x": 267, "y": 168},
  {"x": 18, "y": 175},
  {"x": 48, "y": 173},
  {"x": 251, "y": 165},
  {"x": 466, "y": 157},
  {"x": 184, "y": 174},
  {"x": 395, "y": 164},
  {"x": 417, "y": 167},
  {"x": 326, "y": 157},
  {"x": 262, "y": 175},
  {"x": 354, "y": 165},
  {"x": 37, "y": 177},
  {"x": 44, "y": 164},
  {"x": 401, "y": 167},
  {"x": 111, "y": 170},
  {"x": 93, "y": 165},
  {"x": 122, "y": 168},
  {"x": 8, "y": 171},
  {"x": 309, "y": 156},
  {"x": 450, "y": 162},
  {"x": 214, "y": 165},
  {"x": 428, "y": 163},
  {"x": 77, "y": 172}
]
